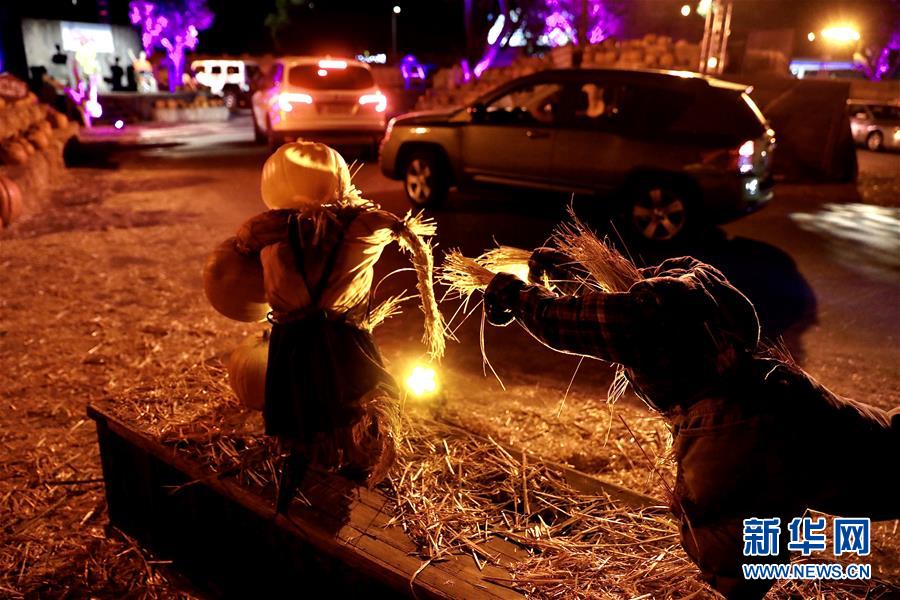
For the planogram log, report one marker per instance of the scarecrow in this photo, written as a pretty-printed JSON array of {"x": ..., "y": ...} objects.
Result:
[
  {"x": 307, "y": 266},
  {"x": 754, "y": 435}
]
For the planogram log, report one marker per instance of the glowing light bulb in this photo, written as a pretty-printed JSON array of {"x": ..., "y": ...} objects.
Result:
[
  {"x": 422, "y": 381},
  {"x": 119, "y": 124}
]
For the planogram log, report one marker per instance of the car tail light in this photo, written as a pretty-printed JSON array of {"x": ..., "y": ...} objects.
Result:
[
  {"x": 745, "y": 156},
  {"x": 378, "y": 99},
  {"x": 286, "y": 101},
  {"x": 737, "y": 159}
]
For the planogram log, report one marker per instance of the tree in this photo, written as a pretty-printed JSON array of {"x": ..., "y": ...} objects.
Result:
[
  {"x": 879, "y": 58},
  {"x": 541, "y": 22},
  {"x": 174, "y": 26},
  {"x": 286, "y": 13}
]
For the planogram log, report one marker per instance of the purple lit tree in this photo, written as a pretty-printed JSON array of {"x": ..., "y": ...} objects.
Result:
[
  {"x": 562, "y": 21},
  {"x": 540, "y": 22},
  {"x": 879, "y": 59},
  {"x": 172, "y": 26}
]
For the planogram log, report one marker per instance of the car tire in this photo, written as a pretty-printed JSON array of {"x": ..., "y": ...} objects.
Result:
[
  {"x": 657, "y": 211},
  {"x": 425, "y": 179},
  {"x": 875, "y": 141}
]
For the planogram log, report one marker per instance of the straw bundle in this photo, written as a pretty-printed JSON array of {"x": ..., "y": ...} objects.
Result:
[
  {"x": 464, "y": 275},
  {"x": 507, "y": 259},
  {"x": 467, "y": 275},
  {"x": 607, "y": 267},
  {"x": 409, "y": 234}
]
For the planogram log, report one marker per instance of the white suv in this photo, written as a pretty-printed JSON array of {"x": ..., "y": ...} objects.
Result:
[{"x": 323, "y": 99}]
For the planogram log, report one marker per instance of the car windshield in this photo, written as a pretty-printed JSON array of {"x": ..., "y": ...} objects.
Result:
[{"x": 314, "y": 77}]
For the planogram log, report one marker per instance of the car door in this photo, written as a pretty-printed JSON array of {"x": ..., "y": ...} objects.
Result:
[
  {"x": 589, "y": 142},
  {"x": 510, "y": 137},
  {"x": 609, "y": 128},
  {"x": 860, "y": 118}
]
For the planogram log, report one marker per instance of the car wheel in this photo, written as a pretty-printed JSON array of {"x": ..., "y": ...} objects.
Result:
[
  {"x": 875, "y": 141},
  {"x": 425, "y": 180},
  {"x": 657, "y": 211}
]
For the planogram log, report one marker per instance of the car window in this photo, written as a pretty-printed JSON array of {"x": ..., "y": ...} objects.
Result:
[
  {"x": 885, "y": 111},
  {"x": 593, "y": 105},
  {"x": 233, "y": 70},
  {"x": 535, "y": 103},
  {"x": 313, "y": 77},
  {"x": 216, "y": 70},
  {"x": 718, "y": 115}
]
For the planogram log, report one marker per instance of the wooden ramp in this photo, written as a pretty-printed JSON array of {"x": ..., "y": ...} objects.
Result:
[{"x": 228, "y": 540}]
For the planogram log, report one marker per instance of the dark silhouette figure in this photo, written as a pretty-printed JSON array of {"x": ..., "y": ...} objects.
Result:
[
  {"x": 115, "y": 81},
  {"x": 60, "y": 58}
]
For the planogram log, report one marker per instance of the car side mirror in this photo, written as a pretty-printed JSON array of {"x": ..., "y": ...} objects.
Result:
[{"x": 477, "y": 112}]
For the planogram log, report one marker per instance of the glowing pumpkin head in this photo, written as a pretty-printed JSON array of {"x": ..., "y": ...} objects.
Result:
[{"x": 304, "y": 174}]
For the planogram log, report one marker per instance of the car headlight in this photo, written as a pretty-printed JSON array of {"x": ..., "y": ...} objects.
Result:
[{"x": 897, "y": 134}]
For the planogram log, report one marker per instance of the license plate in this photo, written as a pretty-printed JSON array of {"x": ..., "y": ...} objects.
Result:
[{"x": 336, "y": 109}]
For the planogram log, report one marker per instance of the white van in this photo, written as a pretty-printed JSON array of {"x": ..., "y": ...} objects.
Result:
[{"x": 221, "y": 77}]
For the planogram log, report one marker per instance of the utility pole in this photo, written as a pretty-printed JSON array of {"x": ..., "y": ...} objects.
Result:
[
  {"x": 716, "y": 32},
  {"x": 394, "y": 12}
]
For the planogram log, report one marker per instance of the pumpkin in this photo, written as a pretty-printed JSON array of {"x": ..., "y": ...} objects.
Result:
[
  {"x": 247, "y": 371},
  {"x": 667, "y": 60},
  {"x": 45, "y": 128},
  {"x": 10, "y": 201},
  {"x": 29, "y": 148},
  {"x": 13, "y": 153},
  {"x": 6, "y": 125},
  {"x": 304, "y": 174},
  {"x": 57, "y": 120},
  {"x": 233, "y": 283},
  {"x": 38, "y": 139}
]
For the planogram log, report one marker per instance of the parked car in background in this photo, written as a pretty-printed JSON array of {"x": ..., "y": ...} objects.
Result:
[
  {"x": 323, "y": 99},
  {"x": 677, "y": 149},
  {"x": 875, "y": 124},
  {"x": 230, "y": 79}
]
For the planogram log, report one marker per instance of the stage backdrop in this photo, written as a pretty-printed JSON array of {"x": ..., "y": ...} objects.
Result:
[{"x": 41, "y": 38}]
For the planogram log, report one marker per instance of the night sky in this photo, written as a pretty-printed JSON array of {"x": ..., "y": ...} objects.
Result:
[{"x": 434, "y": 28}]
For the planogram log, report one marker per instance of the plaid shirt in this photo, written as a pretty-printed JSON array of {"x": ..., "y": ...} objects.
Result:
[{"x": 677, "y": 332}]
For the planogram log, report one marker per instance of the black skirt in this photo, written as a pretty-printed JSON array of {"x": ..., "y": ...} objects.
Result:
[{"x": 318, "y": 371}]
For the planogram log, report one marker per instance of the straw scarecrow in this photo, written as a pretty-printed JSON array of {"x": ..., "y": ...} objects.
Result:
[
  {"x": 307, "y": 264},
  {"x": 754, "y": 435}
]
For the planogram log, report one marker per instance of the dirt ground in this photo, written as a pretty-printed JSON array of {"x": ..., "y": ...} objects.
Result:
[{"x": 101, "y": 298}]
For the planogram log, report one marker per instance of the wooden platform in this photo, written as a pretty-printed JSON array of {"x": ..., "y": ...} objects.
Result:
[{"x": 228, "y": 540}]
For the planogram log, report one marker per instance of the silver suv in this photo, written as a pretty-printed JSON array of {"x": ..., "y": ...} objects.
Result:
[
  {"x": 875, "y": 124},
  {"x": 677, "y": 149}
]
